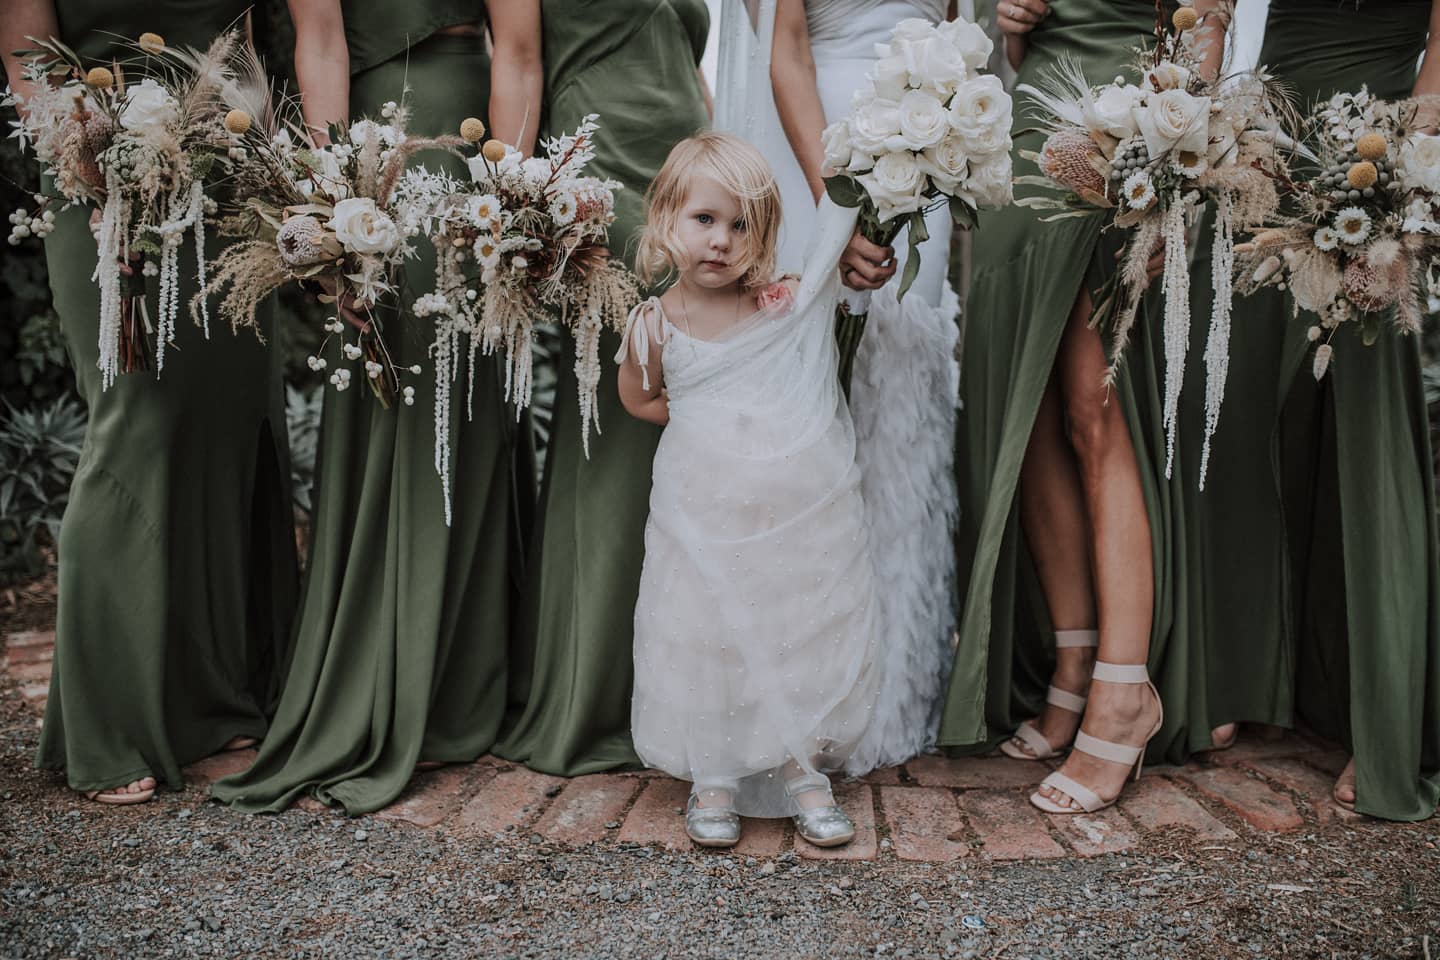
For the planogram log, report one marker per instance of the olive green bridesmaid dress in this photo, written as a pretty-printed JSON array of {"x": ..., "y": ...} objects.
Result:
[
  {"x": 634, "y": 63},
  {"x": 1025, "y": 278},
  {"x": 401, "y": 644},
  {"x": 177, "y": 576},
  {"x": 1357, "y": 471}
]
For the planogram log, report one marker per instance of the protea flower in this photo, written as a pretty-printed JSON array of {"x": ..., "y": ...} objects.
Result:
[{"x": 1071, "y": 159}]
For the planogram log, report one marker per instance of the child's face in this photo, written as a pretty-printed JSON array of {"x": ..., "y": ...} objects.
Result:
[{"x": 712, "y": 234}]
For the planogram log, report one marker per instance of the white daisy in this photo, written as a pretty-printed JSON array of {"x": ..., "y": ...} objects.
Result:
[
  {"x": 1352, "y": 225},
  {"x": 1138, "y": 191},
  {"x": 563, "y": 207},
  {"x": 1325, "y": 239},
  {"x": 1189, "y": 165},
  {"x": 484, "y": 210}
]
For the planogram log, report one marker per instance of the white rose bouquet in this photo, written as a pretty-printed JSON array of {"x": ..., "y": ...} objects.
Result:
[
  {"x": 1364, "y": 237},
  {"x": 331, "y": 216},
  {"x": 926, "y": 130},
  {"x": 522, "y": 238},
  {"x": 1150, "y": 155},
  {"x": 142, "y": 142}
]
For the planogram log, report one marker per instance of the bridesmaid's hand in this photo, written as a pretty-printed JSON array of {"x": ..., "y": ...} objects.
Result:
[
  {"x": 1018, "y": 17},
  {"x": 865, "y": 265}
]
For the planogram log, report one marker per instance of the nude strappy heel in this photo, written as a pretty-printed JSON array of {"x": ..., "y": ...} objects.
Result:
[
  {"x": 1089, "y": 800},
  {"x": 1027, "y": 734}
]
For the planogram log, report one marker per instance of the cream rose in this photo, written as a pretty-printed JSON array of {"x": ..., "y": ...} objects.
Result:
[
  {"x": 148, "y": 109},
  {"x": 923, "y": 121},
  {"x": 969, "y": 40},
  {"x": 1113, "y": 110},
  {"x": 840, "y": 152},
  {"x": 362, "y": 228},
  {"x": 932, "y": 64},
  {"x": 873, "y": 126},
  {"x": 1167, "y": 76},
  {"x": 1174, "y": 120},
  {"x": 891, "y": 77},
  {"x": 1420, "y": 162},
  {"x": 989, "y": 183},
  {"x": 895, "y": 184},
  {"x": 946, "y": 164},
  {"x": 980, "y": 114}
]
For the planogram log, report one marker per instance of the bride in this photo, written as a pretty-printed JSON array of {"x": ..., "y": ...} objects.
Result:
[{"x": 906, "y": 378}]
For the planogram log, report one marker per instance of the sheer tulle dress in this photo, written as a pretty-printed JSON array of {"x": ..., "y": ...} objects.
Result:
[{"x": 756, "y": 626}]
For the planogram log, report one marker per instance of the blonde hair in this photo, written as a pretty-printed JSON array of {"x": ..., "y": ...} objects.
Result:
[{"x": 740, "y": 169}]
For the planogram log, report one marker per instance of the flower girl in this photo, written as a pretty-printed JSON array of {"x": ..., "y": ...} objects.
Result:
[{"x": 755, "y": 629}]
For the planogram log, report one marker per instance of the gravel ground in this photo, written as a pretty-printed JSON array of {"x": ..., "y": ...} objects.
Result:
[{"x": 184, "y": 877}]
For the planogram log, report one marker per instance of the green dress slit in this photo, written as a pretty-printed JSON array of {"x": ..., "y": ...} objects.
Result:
[
  {"x": 1026, "y": 276},
  {"x": 1354, "y": 474},
  {"x": 401, "y": 645},
  {"x": 634, "y": 63},
  {"x": 177, "y": 575}
]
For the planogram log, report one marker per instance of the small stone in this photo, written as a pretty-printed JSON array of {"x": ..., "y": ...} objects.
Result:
[
  {"x": 606, "y": 892},
  {"x": 131, "y": 841},
  {"x": 554, "y": 791},
  {"x": 612, "y": 825},
  {"x": 361, "y": 836},
  {"x": 623, "y": 896},
  {"x": 767, "y": 870},
  {"x": 213, "y": 924},
  {"x": 184, "y": 814},
  {"x": 845, "y": 883}
]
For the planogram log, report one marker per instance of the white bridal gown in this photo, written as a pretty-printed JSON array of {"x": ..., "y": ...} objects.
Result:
[
  {"x": 755, "y": 629},
  {"x": 904, "y": 394}
]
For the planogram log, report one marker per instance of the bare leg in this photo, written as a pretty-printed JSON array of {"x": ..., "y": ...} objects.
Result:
[
  {"x": 1121, "y": 554},
  {"x": 1052, "y": 514}
]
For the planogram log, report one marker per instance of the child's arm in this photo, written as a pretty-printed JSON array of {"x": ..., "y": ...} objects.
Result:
[{"x": 642, "y": 380}]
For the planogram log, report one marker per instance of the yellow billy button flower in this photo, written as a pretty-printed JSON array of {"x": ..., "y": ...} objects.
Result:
[
  {"x": 100, "y": 78},
  {"x": 472, "y": 129},
  {"x": 1362, "y": 175},
  {"x": 151, "y": 42},
  {"x": 1372, "y": 146},
  {"x": 237, "y": 122},
  {"x": 1185, "y": 18},
  {"x": 494, "y": 151}
]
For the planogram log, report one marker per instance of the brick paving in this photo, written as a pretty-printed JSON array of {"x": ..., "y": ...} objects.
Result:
[{"x": 932, "y": 809}]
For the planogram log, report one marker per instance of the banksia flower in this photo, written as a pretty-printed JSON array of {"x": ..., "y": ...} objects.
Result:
[
  {"x": 494, "y": 151},
  {"x": 151, "y": 42},
  {"x": 1372, "y": 146},
  {"x": 303, "y": 241},
  {"x": 237, "y": 122},
  {"x": 1185, "y": 18},
  {"x": 100, "y": 78},
  {"x": 1362, "y": 175},
  {"x": 1370, "y": 287},
  {"x": 1068, "y": 158},
  {"x": 1322, "y": 360},
  {"x": 472, "y": 129}
]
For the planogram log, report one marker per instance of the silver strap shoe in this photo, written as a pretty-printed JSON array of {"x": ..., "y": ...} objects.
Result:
[
  {"x": 711, "y": 826},
  {"x": 826, "y": 826}
]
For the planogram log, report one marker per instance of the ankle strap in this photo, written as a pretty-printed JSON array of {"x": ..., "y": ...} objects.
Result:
[
  {"x": 1120, "y": 672},
  {"x": 1077, "y": 638}
]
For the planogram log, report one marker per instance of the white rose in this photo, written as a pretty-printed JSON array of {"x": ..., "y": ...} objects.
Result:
[
  {"x": 895, "y": 184},
  {"x": 1174, "y": 120},
  {"x": 1420, "y": 162},
  {"x": 1113, "y": 110},
  {"x": 873, "y": 126},
  {"x": 891, "y": 77},
  {"x": 932, "y": 64},
  {"x": 362, "y": 228},
  {"x": 923, "y": 121},
  {"x": 980, "y": 114},
  {"x": 989, "y": 183},
  {"x": 840, "y": 153},
  {"x": 969, "y": 40},
  {"x": 148, "y": 109},
  {"x": 946, "y": 164},
  {"x": 912, "y": 28},
  {"x": 1167, "y": 76}
]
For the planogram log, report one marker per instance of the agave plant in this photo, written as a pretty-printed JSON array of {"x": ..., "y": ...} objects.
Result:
[{"x": 39, "y": 450}]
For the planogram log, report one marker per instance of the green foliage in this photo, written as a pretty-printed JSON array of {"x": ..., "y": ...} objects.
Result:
[
  {"x": 302, "y": 421},
  {"x": 39, "y": 450}
]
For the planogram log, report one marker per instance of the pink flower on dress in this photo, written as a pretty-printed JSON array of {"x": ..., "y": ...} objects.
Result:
[{"x": 776, "y": 294}]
